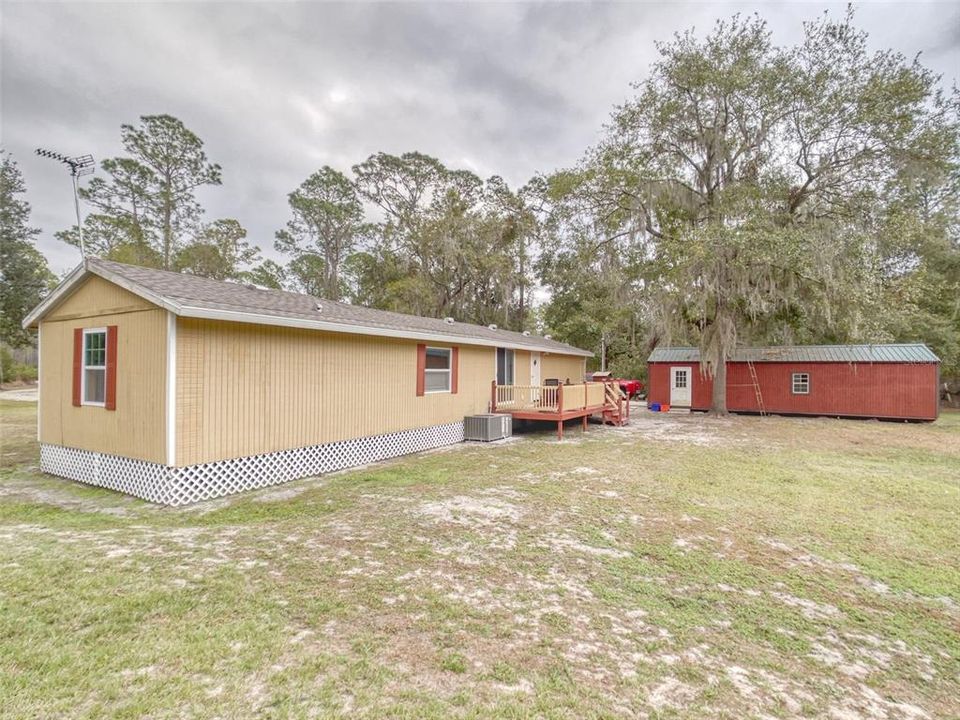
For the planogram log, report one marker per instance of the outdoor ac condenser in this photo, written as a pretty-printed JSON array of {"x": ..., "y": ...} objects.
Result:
[{"x": 487, "y": 427}]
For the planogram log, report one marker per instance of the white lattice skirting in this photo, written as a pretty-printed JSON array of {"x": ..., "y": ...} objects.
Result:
[{"x": 182, "y": 485}]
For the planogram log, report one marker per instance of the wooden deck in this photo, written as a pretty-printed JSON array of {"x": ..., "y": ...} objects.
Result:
[{"x": 559, "y": 403}]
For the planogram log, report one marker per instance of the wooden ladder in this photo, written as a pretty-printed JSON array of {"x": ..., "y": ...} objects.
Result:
[{"x": 756, "y": 387}]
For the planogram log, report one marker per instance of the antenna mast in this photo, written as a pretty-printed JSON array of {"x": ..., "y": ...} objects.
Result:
[{"x": 79, "y": 166}]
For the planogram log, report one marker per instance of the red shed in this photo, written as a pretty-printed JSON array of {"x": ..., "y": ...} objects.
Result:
[{"x": 871, "y": 381}]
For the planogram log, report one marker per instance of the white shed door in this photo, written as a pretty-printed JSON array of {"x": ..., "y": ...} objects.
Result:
[
  {"x": 534, "y": 368},
  {"x": 681, "y": 379}
]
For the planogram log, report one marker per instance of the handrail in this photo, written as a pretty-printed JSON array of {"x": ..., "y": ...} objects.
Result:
[
  {"x": 554, "y": 398},
  {"x": 613, "y": 403}
]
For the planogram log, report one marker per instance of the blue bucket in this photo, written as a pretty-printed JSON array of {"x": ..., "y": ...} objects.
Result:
[{"x": 654, "y": 407}]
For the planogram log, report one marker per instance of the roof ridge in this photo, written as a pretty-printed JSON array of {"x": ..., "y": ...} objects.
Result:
[
  {"x": 852, "y": 352},
  {"x": 817, "y": 345},
  {"x": 198, "y": 293},
  {"x": 205, "y": 279},
  {"x": 291, "y": 293}
]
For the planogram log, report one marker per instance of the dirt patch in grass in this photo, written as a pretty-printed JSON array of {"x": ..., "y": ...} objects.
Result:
[{"x": 748, "y": 567}]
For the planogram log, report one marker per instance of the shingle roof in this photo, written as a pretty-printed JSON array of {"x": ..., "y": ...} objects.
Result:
[
  {"x": 895, "y": 353},
  {"x": 193, "y": 296}
]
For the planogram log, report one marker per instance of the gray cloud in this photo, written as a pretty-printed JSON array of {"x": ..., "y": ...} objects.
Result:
[{"x": 278, "y": 89}]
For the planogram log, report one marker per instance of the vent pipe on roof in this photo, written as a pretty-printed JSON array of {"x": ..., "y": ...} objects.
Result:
[
  {"x": 448, "y": 320},
  {"x": 548, "y": 337},
  {"x": 492, "y": 326},
  {"x": 526, "y": 333},
  {"x": 319, "y": 307}
]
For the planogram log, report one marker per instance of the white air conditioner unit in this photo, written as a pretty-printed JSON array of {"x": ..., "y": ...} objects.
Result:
[{"x": 487, "y": 427}]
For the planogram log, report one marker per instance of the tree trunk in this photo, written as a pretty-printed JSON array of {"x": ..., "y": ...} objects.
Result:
[
  {"x": 718, "y": 400},
  {"x": 167, "y": 233},
  {"x": 331, "y": 272},
  {"x": 523, "y": 282}
]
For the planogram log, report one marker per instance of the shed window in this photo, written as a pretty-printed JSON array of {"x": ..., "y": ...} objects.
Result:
[
  {"x": 505, "y": 366},
  {"x": 94, "y": 378},
  {"x": 800, "y": 383},
  {"x": 437, "y": 370}
]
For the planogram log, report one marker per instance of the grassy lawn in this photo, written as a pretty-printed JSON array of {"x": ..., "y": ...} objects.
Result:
[{"x": 683, "y": 567}]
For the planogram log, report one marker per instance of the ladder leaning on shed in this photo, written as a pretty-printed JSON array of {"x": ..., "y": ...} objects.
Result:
[{"x": 756, "y": 386}]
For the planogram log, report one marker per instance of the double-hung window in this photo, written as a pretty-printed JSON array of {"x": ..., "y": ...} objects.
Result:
[
  {"x": 800, "y": 383},
  {"x": 505, "y": 366},
  {"x": 94, "y": 376},
  {"x": 437, "y": 370}
]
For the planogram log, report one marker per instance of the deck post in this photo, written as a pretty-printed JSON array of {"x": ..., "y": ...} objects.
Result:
[
  {"x": 493, "y": 396},
  {"x": 586, "y": 403},
  {"x": 560, "y": 412}
]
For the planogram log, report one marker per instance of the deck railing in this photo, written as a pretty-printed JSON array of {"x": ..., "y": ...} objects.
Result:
[
  {"x": 526, "y": 397},
  {"x": 595, "y": 394},
  {"x": 552, "y": 398}
]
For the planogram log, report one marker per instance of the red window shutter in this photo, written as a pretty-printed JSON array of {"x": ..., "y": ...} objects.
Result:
[
  {"x": 110, "y": 396},
  {"x": 77, "y": 364},
  {"x": 454, "y": 370},
  {"x": 421, "y": 368}
]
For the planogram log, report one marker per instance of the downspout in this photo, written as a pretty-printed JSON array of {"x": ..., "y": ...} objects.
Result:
[{"x": 171, "y": 401}]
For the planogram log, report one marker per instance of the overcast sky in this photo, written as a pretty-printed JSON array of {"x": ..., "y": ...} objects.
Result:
[{"x": 277, "y": 90}]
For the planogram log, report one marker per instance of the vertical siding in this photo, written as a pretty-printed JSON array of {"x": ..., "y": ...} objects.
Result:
[
  {"x": 563, "y": 367},
  {"x": 658, "y": 384},
  {"x": 190, "y": 389},
  {"x": 136, "y": 428},
  {"x": 886, "y": 390},
  {"x": 247, "y": 389}
]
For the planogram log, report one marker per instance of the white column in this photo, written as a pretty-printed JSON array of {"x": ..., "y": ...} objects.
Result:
[{"x": 40, "y": 376}]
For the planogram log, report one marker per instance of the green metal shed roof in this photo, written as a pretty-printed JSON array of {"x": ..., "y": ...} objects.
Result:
[{"x": 898, "y": 353}]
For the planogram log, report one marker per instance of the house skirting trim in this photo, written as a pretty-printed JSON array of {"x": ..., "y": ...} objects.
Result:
[{"x": 182, "y": 485}]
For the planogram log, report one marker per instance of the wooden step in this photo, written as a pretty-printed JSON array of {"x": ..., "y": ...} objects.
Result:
[{"x": 613, "y": 417}]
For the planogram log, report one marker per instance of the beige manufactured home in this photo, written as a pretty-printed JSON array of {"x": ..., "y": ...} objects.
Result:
[{"x": 177, "y": 388}]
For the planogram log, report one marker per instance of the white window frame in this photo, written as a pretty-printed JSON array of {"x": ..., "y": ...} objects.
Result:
[
  {"x": 437, "y": 371},
  {"x": 686, "y": 378},
  {"x": 84, "y": 367},
  {"x": 512, "y": 365},
  {"x": 799, "y": 379}
]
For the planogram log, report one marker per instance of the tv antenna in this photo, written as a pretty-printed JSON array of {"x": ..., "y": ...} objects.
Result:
[{"x": 79, "y": 166}]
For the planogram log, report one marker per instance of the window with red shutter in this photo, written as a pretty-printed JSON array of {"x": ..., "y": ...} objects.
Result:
[
  {"x": 437, "y": 370},
  {"x": 93, "y": 375}
]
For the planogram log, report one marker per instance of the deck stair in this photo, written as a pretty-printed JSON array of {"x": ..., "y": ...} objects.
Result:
[{"x": 613, "y": 405}]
